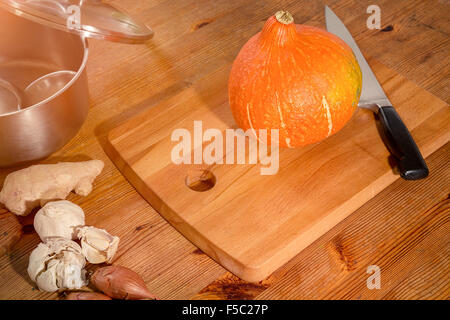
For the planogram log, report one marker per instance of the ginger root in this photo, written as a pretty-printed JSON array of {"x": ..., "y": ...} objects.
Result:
[{"x": 28, "y": 188}]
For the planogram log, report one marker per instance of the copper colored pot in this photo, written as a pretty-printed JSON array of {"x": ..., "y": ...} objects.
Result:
[
  {"x": 30, "y": 50},
  {"x": 43, "y": 83}
]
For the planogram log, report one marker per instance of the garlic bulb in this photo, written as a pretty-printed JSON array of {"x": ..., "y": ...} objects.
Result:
[
  {"x": 58, "y": 219},
  {"x": 57, "y": 264},
  {"x": 97, "y": 245}
]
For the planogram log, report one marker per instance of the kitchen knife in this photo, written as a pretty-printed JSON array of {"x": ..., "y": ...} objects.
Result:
[{"x": 395, "y": 135}]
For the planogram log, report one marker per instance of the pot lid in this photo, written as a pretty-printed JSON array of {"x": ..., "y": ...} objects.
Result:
[{"x": 89, "y": 18}]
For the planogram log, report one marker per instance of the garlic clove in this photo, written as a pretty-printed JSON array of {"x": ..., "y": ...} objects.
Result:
[
  {"x": 93, "y": 256},
  {"x": 97, "y": 245},
  {"x": 70, "y": 276},
  {"x": 37, "y": 260},
  {"x": 47, "y": 280},
  {"x": 58, "y": 219}
]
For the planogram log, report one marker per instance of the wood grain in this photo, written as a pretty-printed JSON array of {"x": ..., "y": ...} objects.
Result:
[{"x": 125, "y": 80}]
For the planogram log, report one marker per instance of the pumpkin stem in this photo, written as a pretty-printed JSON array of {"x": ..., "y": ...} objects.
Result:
[
  {"x": 279, "y": 29},
  {"x": 284, "y": 17}
]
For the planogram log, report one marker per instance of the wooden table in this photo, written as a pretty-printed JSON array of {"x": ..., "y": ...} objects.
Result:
[{"x": 404, "y": 230}]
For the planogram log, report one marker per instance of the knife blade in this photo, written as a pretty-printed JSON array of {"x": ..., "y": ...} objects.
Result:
[{"x": 393, "y": 131}]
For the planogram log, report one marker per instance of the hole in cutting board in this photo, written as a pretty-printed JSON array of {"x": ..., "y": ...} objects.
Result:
[{"x": 200, "y": 180}]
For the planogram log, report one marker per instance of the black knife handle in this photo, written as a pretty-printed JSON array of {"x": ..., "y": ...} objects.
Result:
[{"x": 398, "y": 140}]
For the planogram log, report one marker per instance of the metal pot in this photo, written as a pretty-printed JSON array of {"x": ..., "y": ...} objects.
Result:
[
  {"x": 43, "y": 83},
  {"x": 39, "y": 130}
]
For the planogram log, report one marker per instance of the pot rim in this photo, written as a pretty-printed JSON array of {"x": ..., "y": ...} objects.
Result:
[{"x": 63, "y": 89}]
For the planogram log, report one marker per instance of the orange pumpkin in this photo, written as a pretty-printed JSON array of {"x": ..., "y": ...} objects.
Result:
[{"x": 301, "y": 80}]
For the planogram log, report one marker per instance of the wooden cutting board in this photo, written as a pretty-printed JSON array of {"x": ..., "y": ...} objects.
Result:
[{"x": 250, "y": 223}]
